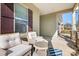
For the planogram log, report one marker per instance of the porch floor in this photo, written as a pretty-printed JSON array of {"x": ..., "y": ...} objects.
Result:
[{"x": 62, "y": 43}]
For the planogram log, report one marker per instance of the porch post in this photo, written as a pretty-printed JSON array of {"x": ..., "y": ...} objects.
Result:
[
  {"x": 74, "y": 29},
  {"x": 73, "y": 21},
  {"x": 74, "y": 17},
  {"x": 73, "y": 26}
]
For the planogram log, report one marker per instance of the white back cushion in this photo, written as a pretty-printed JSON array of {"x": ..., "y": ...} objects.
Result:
[
  {"x": 32, "y": 34},
  {"x": 17, "y": 39},
  {"x": 10, "y": 40},
  {"x": 14, "y": 39},
  {"x": 4, "y": 39}
]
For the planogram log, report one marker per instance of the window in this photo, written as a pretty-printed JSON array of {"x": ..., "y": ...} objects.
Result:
[{"x": 21, "y": 18}]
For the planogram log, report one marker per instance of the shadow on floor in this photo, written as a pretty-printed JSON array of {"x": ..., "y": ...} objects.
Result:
[
  {"x": 70, "y": 43},
  {"x": 49, "y": 43}
]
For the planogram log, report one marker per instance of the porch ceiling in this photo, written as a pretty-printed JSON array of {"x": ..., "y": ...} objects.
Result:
[{"x": 46, "y": 8}]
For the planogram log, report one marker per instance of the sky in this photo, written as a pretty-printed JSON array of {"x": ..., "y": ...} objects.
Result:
[{"x": 67, "y": 17}]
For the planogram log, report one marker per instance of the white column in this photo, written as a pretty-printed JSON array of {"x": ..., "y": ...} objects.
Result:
[{"x": 73, "y": 21}]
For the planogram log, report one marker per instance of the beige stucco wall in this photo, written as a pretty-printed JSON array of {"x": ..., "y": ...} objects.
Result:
[
  {"x": 36, "y": 16},
  {"x": 48, "y": 24}
]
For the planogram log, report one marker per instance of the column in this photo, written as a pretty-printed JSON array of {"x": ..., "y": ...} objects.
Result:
[
  {"x": 73, "y": 21},
  {"x": 74, "y": 24}
]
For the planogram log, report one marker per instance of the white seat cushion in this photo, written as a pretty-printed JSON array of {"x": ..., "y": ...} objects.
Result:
[{"x": 19, "y": 50}]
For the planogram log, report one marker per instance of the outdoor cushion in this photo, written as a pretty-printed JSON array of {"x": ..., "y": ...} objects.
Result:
[
  {"x": 32, "y": 38},
  {"x": 4, "y": 42},
  {"x": 12, "y": 42},
  {"x": 9, "y": 40},
  {"x": 54, "y": 52},
  {"x": 14, "y": 39},
  {"x": 19, "y": 50}
]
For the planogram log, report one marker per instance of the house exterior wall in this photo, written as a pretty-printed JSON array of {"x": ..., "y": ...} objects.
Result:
[
  {"x": 7, "y": 18},
  {"x": 45, "y": 25},
  {"x": 48, "y": 24},
  {"x": 36, "y": 17}
]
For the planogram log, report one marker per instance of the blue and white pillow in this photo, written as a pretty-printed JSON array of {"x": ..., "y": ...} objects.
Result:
[{"x": 54, "y": 52}]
